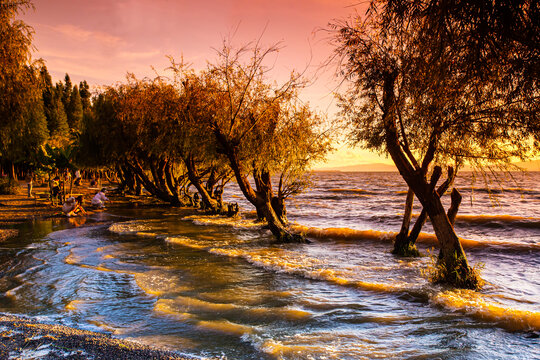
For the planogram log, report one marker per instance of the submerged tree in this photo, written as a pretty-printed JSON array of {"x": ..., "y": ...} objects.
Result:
[
  {"x": 416, "y": 97},
  {"x": 264, "y": 131}
]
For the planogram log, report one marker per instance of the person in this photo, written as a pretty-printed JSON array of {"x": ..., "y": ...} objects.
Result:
[
  {"x": 73, "y": 206},
  {"x": 99, "y": 199},
  {"x": 30, "y": 182},
  {"x": 55, "y": 187},
  {"x": 78, "y": 178}
]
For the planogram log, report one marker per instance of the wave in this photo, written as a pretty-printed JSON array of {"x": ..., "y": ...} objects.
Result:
[
  {"x": 138, "y": 227},
  {"x": 188, "y": 309},
  {"x": 353, "y": 191},
  {"x": 479, "y": 306},
  {"x": 289, "y": 261},
  {"x": 307, "y": 267},
  {"x": 513, "y": 220},
  {"x": 424, "y": 238},
  {"x": 467, "y": 302},
  {"x": 498, "y": 190},
  {"x": 220, "y": 220}
]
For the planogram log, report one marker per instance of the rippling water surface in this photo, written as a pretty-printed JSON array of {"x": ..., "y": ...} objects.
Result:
[{"x": 213, "y": 287}]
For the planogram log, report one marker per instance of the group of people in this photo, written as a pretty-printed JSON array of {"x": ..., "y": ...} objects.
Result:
[{"x": 73, "y": 205}]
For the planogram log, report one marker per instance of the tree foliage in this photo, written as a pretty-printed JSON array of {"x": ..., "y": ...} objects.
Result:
[
  {"x": 22, "y": 122},
  {"x": 419, "y": 92}
]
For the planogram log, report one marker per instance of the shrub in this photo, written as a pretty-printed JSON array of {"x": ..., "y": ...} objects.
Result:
[
  {"x": 8, "y": 186},
  {"x": 436, "y": 272}
]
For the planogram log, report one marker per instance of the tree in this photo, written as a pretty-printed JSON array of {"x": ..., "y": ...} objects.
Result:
[
  {"x": 84, "y": 92},
  {"x": 74, "y": 110},
  {"x": 417, "y": 97},
  {"x": 54, "y": 109},
  {"x": 67, "y": 88},
  {"x": 22, "y": 124},
  {"x": 263, "y": 130}
]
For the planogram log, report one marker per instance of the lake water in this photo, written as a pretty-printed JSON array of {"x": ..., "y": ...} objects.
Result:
[{"x": 213, "y": 287}]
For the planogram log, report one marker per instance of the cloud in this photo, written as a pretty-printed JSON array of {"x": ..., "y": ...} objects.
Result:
[{"x": 79, "y": 34}]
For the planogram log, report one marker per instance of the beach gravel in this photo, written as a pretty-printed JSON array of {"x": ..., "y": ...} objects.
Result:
[{"x": 25, "y": 338}]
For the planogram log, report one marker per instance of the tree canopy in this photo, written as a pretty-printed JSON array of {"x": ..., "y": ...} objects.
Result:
[{"x": 416, "y": 94}]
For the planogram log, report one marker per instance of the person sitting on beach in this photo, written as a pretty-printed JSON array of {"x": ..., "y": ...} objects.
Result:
[
  {"x": 99, "y": 199},
  {"x": 73, "y": 206}
]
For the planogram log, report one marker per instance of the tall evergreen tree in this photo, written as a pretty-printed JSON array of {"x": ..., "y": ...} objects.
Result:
[
  {"x": 74, "y": 110},
  {"x": 53, "y": 107},
  {"x": 67, "y": 87},
  {"x": 84, "y": 92}
]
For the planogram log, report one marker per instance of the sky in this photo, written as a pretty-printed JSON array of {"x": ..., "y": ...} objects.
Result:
[{"x": 100, "y": 41}]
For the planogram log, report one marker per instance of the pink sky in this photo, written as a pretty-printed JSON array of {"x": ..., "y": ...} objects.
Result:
[{"x": 101, "y": 40}]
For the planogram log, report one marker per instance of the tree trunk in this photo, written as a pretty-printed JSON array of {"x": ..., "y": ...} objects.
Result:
[
  {"x": 278, "y": 204},
  {"x": 421, "y": 220},
  {"x": 12, "y": 173},
  {"x": 402, "y": 245},
  {"x": 193, "y": 175},
  {"x": 151, "y": 187},
  {"x": 171, "y": 183},
  {"x": 452, "y": 260},
  {"x": 261, "y": 198}
]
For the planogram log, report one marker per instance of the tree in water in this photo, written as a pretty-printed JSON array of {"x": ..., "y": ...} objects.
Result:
[
  {"x": 263, "y": 130},
  {"x": 206, "y": 170},
  {"x": 498, "y": 44},
  {"x": 415, "y": 97}
]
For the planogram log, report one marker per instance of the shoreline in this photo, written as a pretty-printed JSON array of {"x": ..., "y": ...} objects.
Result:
[
  {"x": 24, "y": 337},
  {"x": 18, "y": 209}
]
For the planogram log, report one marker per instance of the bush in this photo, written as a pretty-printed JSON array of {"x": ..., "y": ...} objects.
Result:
[{"x": 8, "y": 186}]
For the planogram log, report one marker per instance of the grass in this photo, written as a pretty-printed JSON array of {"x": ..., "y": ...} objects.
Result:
[{"x": 460, "y": 275}]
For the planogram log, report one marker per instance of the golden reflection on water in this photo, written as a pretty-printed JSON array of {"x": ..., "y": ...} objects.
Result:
[{"x": 483, "y": 307}]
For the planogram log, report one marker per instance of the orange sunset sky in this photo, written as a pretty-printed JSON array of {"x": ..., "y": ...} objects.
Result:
[{"x": 101, "y": 40}]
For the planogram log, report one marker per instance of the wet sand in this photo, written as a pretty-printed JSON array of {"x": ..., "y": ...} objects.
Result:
[
  {"x": 28, "y": 339},
  {"x": 16, "y": 209}
]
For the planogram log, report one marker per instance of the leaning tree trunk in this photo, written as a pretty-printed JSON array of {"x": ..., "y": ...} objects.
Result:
[
  {"x": 209, "y": 203},
  {"x": 402, "y": 245},
  {"x": 278, "y": 204},
  {"x": 421, "y": 220},
  {"x": 261, "y": 198},
  {"x": 151, "y": 186},
  {"x": 267, "y": 205},
  {"x": 452, "y": 260}
]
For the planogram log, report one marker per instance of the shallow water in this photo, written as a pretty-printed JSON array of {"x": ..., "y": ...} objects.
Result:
[{"x": 211, "y": 287}]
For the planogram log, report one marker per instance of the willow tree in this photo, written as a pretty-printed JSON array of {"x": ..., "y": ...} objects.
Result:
[
  {"x": 413, "y": 97},
  {"x": 22, "y": 122},
  {"x": 206, "y": 170},
  {"x": 264, "y": 131},
  {"x": 146, "y": 112},
  {"x": 492, "y": 42}
]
